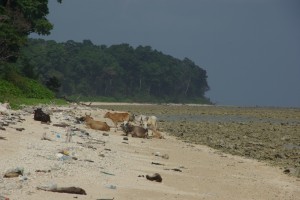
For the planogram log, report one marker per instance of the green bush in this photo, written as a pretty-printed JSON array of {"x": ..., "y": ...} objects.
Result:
[
  {"x": 8, "y": 89},
  {"x": 32, "y": 89}
]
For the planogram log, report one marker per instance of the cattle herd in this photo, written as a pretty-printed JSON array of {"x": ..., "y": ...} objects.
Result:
[{"x": 140, "y": 126}]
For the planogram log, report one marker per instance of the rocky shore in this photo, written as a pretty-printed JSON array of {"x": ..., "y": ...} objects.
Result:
[{"x": 266, "y": 134}]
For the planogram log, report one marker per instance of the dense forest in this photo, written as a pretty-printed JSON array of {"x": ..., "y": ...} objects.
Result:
[
  {"x": 118, "y": 71},
  {"x": 40, "y": 69}
]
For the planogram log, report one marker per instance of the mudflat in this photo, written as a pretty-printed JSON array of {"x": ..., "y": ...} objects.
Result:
[{"x": 209, "y": 152}]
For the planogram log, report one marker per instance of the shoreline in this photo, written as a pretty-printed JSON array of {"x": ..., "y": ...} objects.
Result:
[{"x": 108, "y": 166}]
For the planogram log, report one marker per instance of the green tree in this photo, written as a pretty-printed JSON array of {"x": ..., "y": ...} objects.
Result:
[
  {"x": 19, "y": 18},
  {"x": 53, "y": 84},
  {"x": 118, "y": 71}
]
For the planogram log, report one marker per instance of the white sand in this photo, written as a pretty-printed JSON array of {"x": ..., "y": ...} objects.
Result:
[{"x": 206, "y": 173}]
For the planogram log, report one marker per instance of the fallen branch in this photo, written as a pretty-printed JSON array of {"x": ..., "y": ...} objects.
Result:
[
  {"x": 61, "y": 125},
  {"x": 69, "y": 190},
  {"x": 156, "y": 163}
]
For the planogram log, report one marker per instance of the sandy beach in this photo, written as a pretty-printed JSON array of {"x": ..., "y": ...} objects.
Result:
[{"x": 109, "y": 166}]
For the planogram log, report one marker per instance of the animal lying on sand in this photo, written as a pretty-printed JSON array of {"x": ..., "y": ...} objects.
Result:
[
  {"x": 96, "y": 125},
  {"x": 135, "y": 131},
  {"x": 146, "y": 121},
  {"x": 39, "y": 115}
]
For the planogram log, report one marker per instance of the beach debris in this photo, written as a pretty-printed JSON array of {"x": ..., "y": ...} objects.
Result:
[
  {"x": 2, "y": 138},
  {"x": 103, "y": 172},
  {"x": 23, "y": 178},
  {"x": 164, "y": 156},
  {"x": 105, "y": 134},
  {"x": 174, "y": 169},
  {"x": 20, "y": 129},
  {"x": 62, "y": 125},
  {"x": 156, "y": 163},
  {"x": 43, "y": 170},
  {"x": 113, "y": 187},
  {"x": 63, "y": 157},
  {"x": 69, "y": 135},
  {"x": 65, "y": 152},
  {"x": 44, "y": 137},
  {"x": 88, "y": 160},
  {"x": 69, "y": 190},
  {"x": 11, "y": 173},
  {"x": 155, "y": 177},
  {"x": 3, "y": 198},
  {"x": 125, "y": 138},
  {"x": 2, "y": 128},
  {"x": 103, "y": 199},
  {"x": 58, "y": 135}
]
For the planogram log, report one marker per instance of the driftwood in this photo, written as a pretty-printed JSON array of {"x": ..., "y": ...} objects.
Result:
[
  {"x": 61, "y": 125},
  {"x": 156, "y": 163},
  {"x": 42, "y": 170},
  {"x": 69, "y": 190},
  {"x": 2, "y": 138}
]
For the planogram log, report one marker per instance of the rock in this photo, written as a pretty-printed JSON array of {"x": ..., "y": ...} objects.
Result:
[
  {"x": 155, "y": 177},
  {"x": 12, "y": 173}
]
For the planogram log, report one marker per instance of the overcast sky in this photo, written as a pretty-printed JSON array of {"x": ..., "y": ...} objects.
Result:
[{"x": 249, "y": 48}]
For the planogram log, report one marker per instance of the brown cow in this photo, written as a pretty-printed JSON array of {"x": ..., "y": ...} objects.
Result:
[
  {"x": 135, "y": 131},
  {"x": 117, "y": 117},
  {"x": 96, "y": 125}
]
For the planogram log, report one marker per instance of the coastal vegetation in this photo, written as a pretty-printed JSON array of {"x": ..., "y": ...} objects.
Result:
[
  {"x": 36, "y": 68},
  {"x": 118, "y": 72}
]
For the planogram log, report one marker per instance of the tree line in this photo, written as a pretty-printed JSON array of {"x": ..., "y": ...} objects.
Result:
[
  {"x": 118, "y": 71},
  {"x": 82, "y": 68}
]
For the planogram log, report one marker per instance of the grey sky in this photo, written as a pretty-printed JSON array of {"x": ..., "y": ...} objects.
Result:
[{"x": 249, "y": 48}]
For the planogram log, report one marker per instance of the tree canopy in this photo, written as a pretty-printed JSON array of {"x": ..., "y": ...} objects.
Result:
[
  {"x": 19, "y": 18},
  {"x": 119, "y": 71}
]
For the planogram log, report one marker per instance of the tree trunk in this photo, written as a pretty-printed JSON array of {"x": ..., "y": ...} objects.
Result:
[{"x": 187, "y": 87}]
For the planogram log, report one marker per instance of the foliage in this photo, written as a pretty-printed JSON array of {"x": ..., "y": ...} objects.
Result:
[
  {"x": 53, "y": 84},
  {"x": 8, "y": 89},
  {"x": 17, "y": 103},
  {"x": 119, "y": 72},
  {"x": 19, "y": 18},
  {"x": 13, "y": 84}
]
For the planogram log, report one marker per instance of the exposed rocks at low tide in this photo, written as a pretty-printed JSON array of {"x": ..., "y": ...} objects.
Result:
[{"x": 267, "y": 134}]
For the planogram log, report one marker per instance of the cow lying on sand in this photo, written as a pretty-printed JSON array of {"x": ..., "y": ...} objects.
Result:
[
  {"x": 96, "y": 125},
  {"x": 39, "y": 115},
  {"x": 117, "y": 117},
  {"x": 135, "y": 131}
]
